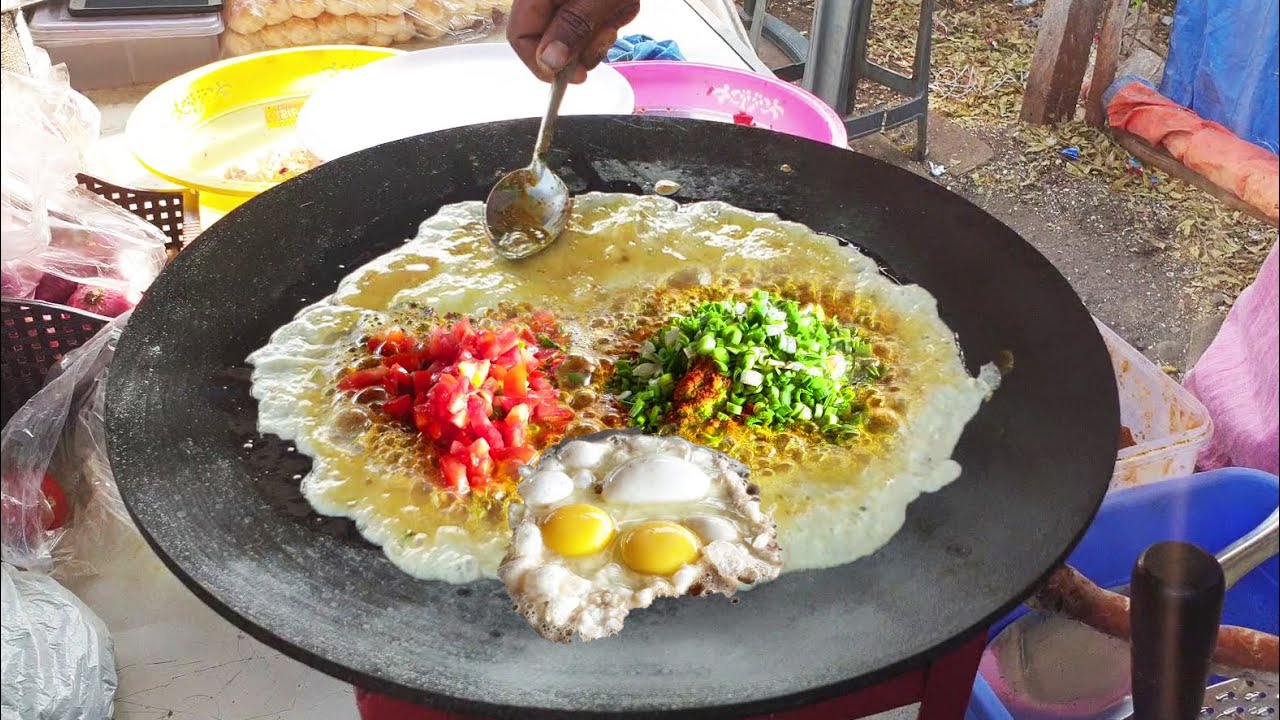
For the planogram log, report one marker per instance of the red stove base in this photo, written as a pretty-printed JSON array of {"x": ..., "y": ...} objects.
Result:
[{"x": 942, "y": 689}]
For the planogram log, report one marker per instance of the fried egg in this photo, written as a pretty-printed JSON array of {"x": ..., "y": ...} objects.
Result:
[{"x": 612, "y": 521}]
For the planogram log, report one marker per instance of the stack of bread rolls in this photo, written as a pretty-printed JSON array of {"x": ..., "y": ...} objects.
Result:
[{"x": 254, "y": 25}]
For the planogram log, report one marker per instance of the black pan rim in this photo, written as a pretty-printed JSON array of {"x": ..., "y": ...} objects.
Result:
[
  {"x": 485, "y": 709},
  {"x": 481, "y": 710}
]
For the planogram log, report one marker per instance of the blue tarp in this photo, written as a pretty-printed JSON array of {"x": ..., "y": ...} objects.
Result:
[
  {"x": 1224, "y": 64},
  {"x": 643, "y": 47}
]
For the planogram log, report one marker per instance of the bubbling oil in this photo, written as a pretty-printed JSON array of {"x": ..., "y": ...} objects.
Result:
[{"x": 622, "y": 267}]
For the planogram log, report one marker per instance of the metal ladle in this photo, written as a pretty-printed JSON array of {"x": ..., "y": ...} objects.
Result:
[
  {"x": 1064, "y": 669},
  {"x": 528, "y": 208}
]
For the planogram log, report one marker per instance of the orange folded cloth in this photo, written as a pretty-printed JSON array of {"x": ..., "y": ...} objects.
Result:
[{"x": 1209, "y": 149}]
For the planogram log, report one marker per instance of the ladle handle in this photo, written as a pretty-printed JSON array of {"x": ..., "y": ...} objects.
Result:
[
  {"x": 548, "y": 127},
  {"x": 1242, "y": 556},
  {"x": 1176, "y": 607}
]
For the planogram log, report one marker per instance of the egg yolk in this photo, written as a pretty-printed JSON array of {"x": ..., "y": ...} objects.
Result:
[
  {"x": 577, "y": 530},
  {"x": 659, "y": 548}
]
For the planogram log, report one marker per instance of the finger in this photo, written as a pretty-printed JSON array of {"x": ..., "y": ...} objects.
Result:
[
  {"x": 604, "y": 39},
  {"x": 525, "y": 26},
  {"x": 598, "y": 48},
  {"x": 571, "y": 29},
  {"x": 623, "y": 15}
]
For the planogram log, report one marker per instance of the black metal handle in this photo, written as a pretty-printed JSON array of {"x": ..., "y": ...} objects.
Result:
[{"x": 1175, "y": 611}]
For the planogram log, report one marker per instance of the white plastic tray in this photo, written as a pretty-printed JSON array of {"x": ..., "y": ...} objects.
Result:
[
  {"x": 1169, "y": 424},
  {"x": 442, "y": 88}
]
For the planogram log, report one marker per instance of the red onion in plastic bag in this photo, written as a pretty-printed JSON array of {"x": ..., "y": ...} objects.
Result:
[
  {"x": 55, "y": 289},
  {"x": 18, "y": 279}
]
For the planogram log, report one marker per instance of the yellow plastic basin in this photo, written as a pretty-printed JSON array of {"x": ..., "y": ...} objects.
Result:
[{"x": 206, "y": 130}]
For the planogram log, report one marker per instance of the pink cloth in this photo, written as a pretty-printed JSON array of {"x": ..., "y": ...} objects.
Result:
[{"x": 1238, "y": 379}]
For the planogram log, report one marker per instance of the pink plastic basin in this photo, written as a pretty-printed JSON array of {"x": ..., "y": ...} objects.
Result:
[{"x": 709, "y": 92}]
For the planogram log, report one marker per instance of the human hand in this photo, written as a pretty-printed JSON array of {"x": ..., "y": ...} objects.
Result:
[{"x": 548, "y": 35}]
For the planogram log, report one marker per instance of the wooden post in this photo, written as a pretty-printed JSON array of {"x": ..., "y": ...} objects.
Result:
[
  {"x": 1062, "y": 53},
  {"x": 1104, "y": 64}
]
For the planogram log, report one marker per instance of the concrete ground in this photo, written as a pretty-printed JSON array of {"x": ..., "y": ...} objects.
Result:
[{"x": 1082, "y": 231}]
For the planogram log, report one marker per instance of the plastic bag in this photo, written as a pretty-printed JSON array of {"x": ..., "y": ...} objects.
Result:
[
  {"x": 53, "y": 468},
  {"x": 63, "y": 244},
  {"x": 102, "y": 530},
  {"x": 57, "y": 654},
  {"x": 42, "y": 107},
  {"x": 53, "y": 125},
  {"x": 254, "y": 25},
  {"x": 80, "y": 250}
]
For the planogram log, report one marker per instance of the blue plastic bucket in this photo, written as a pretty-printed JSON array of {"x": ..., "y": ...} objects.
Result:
[{"x": 1209, "y": 509}]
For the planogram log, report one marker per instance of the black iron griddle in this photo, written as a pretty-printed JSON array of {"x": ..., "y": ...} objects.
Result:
[{"x": 221, "y": 505}]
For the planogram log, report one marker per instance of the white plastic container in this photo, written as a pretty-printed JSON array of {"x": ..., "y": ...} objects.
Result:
[
  {"x": 108, "y": 52},
  {"x": 1169, "y": 424}
]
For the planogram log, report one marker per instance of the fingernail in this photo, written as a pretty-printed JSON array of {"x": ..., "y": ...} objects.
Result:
[{"x": 554, "y": 56}]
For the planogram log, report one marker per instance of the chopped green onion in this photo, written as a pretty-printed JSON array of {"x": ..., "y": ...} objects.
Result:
[{"x": 794, "y": 364}]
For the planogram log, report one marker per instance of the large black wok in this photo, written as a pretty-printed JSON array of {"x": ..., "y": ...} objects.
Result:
[{"x": 221, "y": 504}]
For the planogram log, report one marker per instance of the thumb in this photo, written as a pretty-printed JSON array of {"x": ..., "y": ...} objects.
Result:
[{"x": 571, "y": 29}]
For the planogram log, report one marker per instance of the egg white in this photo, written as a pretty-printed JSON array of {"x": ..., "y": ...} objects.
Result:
[{"x": 667, "y": 479}]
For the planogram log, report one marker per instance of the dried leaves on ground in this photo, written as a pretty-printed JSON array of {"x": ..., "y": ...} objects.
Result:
[
  {"x": 1223, "y": 246},
  {"x": 981, "y": 57}
]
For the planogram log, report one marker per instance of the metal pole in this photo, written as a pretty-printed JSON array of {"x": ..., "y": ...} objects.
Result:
[{"x": 828, "y": 71}]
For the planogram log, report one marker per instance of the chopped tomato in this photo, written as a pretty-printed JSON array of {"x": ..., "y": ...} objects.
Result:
[
  {"x": 422, "y": 382},
  {"x": 441, "y": 345},
  {"x": 543, "y": 321},
  {"x": 478, "y": 462},
  {"x": 516, "y": 381},
  {"x": 474, "y": 370},
  {"x": 407, "y": 360},
  {"x": 392, "y": 342},
  {"x": 520, "y": 454},
  {"x": 516, "y": 425},
  {"x": 360, "y": 379},
  {"x": 480, "y": 395},
  {"x": 506, "y": 402},
  {"x": 554, "y": 415},
  {"x": 539, "y": 382},
  {"x": 454, "y": 470},
  {"x": 488, "y": 346},
  {"x": 497, "y": 373},
  {"x": 399, "y": 407},
  {"x": 398, "y": 380},
  {"x": 478, "y": 419},
  {"x": 445, "y": 384},
  {"x": 508, "y": 339},
  {"x": 463, "y": 333}
]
